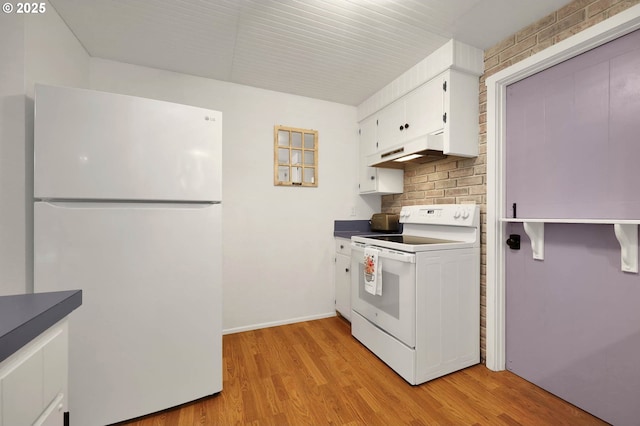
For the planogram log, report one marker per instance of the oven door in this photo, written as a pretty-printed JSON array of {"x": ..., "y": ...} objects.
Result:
[{"x": 393, "y": 311}]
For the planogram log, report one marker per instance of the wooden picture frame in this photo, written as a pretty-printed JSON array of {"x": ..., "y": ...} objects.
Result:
[{"x": 295, "y": 156}]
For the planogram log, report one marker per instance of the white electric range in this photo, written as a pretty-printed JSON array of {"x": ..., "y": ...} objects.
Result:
[{"x": 426, "y": 321}]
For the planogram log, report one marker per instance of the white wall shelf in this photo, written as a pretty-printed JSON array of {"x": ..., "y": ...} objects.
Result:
[{"x": 626, "y": 232}]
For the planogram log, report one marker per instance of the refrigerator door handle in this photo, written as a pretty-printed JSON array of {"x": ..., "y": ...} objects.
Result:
[{"x": 120, "y": 204}]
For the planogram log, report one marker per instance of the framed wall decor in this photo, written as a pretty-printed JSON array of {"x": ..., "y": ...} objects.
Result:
[{"x": 295, "y": 153}]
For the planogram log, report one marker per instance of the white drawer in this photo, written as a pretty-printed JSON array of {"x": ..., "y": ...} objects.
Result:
[{"x": 343, "y": 246}]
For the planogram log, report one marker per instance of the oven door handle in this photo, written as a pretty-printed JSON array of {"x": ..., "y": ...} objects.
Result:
[
  {"x": 384, "y": 253},
  {"x": 398, "y": 256}
]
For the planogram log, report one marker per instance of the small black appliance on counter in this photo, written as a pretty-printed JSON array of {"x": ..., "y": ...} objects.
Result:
[{"x": 384, "y": 222}]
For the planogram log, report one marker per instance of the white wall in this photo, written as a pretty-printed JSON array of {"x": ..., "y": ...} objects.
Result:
[
  {"x": 12, "y": 156},
  {"x": 277, "y": 241},
  {"x": 34, "y": 48},
  {"x": 278, "y": 244},
  {"x": 53, "y": 54}
]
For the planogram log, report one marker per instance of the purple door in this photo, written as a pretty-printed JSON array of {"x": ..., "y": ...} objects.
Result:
[{"x": 573, "y": 151}]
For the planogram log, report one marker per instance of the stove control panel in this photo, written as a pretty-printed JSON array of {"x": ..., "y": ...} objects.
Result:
[{"x": 441, "y": 214}]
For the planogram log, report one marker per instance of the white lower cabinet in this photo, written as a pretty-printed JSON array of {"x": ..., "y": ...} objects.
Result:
[
  {"x": 33, "y": 381},
  {"x": 54, "y": 414},
  {"x": 342, "y": 276},
  {"x": 22, "y": 391}
]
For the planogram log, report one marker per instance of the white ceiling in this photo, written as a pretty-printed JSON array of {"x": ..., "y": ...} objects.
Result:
[{"x": 338, "y": 50}]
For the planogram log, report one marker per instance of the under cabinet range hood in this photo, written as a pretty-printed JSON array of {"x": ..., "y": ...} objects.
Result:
[{"x": 420, "y": 150}]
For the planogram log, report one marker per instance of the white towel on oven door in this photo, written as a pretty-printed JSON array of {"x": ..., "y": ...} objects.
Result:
[{"x": 372, "y": 271}]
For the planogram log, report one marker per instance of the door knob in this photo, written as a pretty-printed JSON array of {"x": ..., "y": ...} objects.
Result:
[{"x": 514, "y": 242}]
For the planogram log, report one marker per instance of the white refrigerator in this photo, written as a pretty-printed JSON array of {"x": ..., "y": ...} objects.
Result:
[{"x": 128, "y": 208}]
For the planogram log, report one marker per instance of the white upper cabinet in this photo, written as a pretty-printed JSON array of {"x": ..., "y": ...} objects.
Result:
[
  {"x": 368, "y": 136},
  {"x": 390, "y": 120},
  {"x": 461, "y": 105},
  {"x": 432, "y": 108},
  {"x": 376, "y": 180},
  {"x": 425, "y": 109},
  {"x": 418, "y": 113},
  {"x": 447, "y": 104},
  {"x": 373, "y": 180}
]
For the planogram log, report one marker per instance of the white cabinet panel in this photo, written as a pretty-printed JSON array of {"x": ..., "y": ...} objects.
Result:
[
  {"x": 54, "y": 414},
  {"x": 367, "y": 177},
  {"x": 342, "y": 276},
  {"x": 22, "y": 392},
  {"x": 98, "y": 145},
  {"x": 29, "y": 377},
  {"x": 424, "y": 109},
  {"x": 368, "y": 136},
  {"x": 343, "y": 246},
  {"x": 373, "y": 180},
  {"x": 343, "y": 285},
  {"x": 55, "y": 368},
  {"x": 461, "y": 128},
  {"x": 389, "y": 121}
]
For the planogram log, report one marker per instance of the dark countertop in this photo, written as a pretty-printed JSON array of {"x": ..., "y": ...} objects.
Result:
[
  {"x": 349, "y": 228},
  {"x": 25, "y": 316},
  {"x": 349, "y": 234}
]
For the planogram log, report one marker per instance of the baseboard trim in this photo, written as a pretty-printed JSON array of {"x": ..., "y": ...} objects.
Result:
[{"x": 277, "y": 323}]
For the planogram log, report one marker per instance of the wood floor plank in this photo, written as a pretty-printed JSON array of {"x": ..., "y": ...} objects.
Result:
[{"x": 316, "y": 373}]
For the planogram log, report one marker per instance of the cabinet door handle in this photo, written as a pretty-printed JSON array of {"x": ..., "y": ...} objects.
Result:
[
  {"x": 373, "y": 177},
  {"x": 341, "y": 246},
  {"x": 401, "y": 127},
  {"x": 406, "y": 125},
  {"x": 346, "y": 269}
]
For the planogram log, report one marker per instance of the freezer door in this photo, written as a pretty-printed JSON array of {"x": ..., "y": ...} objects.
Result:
[
  {"x": 97, "y": 145},
  {"x": 148, "y": 335}
]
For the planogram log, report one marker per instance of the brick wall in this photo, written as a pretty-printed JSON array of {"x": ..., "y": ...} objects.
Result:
[{"x": 457, "y": 180}]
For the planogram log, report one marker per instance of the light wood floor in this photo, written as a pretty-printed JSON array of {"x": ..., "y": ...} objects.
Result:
[{"x": 315, "y": 373}]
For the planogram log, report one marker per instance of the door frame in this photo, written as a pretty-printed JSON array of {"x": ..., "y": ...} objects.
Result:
[{"x": 601, "y": 33}]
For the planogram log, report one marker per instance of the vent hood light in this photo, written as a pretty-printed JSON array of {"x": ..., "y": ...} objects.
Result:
[
  {"x": 408, "y": 158},
  {"x": 420, "y": 150}
]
